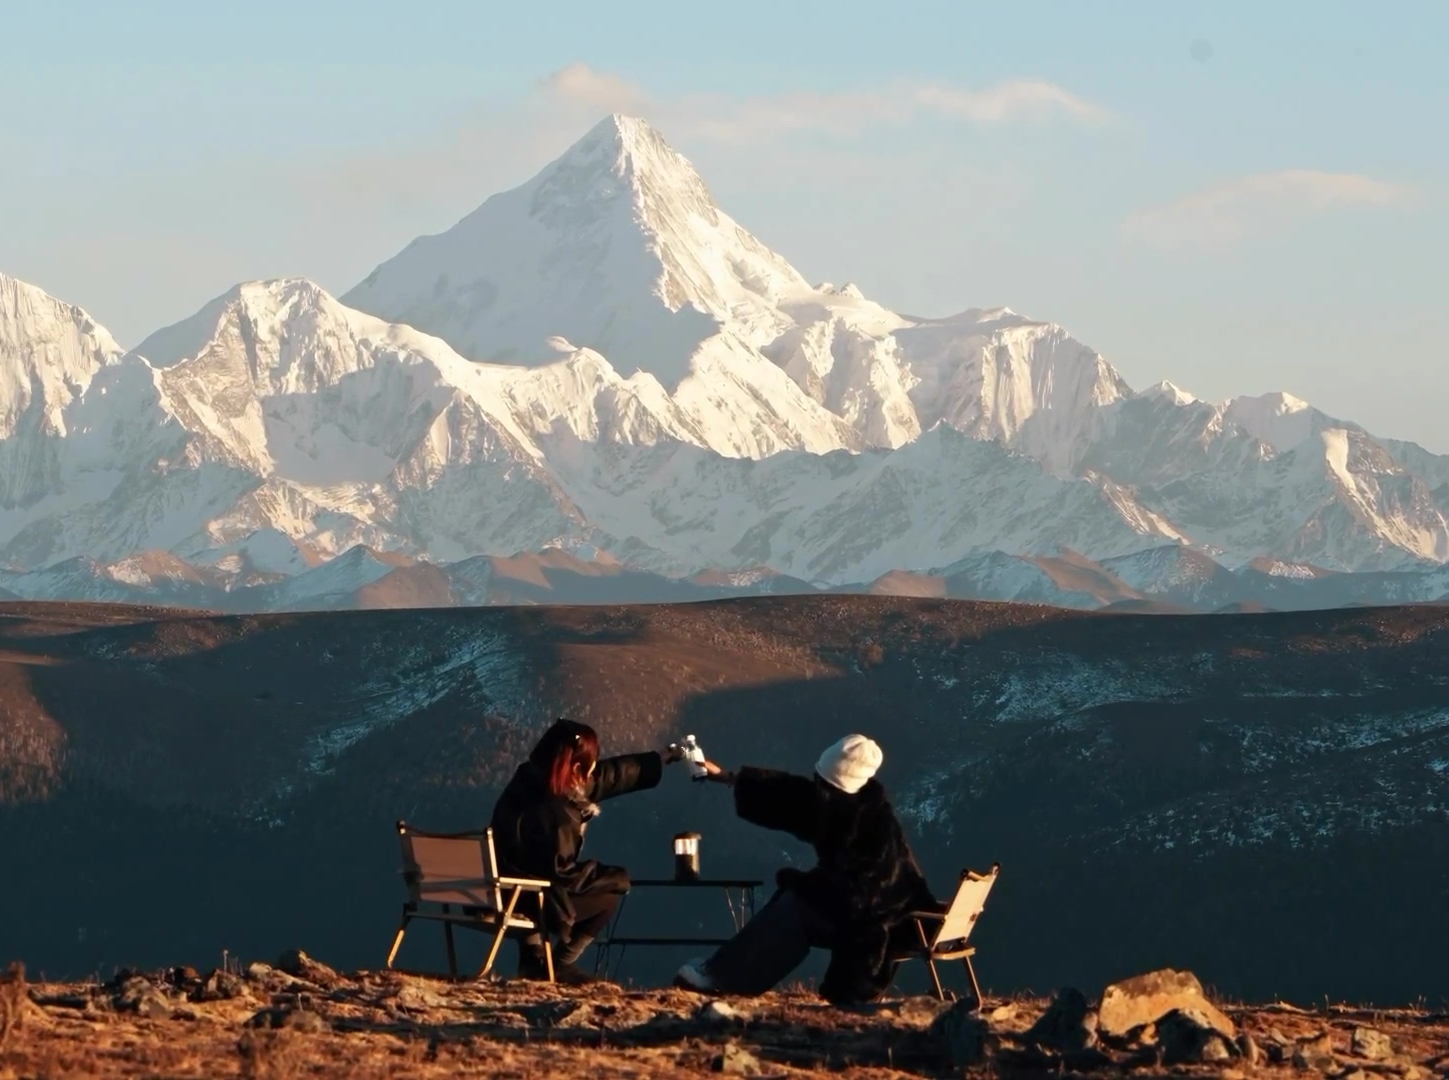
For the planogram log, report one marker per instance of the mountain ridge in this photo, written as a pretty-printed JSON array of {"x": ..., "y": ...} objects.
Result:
[{"x": 800, "y": 427}]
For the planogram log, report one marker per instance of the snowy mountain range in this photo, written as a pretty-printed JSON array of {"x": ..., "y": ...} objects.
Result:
[{"x": 602, "y": 360}]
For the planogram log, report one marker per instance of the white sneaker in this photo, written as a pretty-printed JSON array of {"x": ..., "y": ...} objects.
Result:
[{"x": 694, "y": 976}]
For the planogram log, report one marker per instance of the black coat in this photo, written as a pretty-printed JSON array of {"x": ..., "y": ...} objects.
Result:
[
  {"x": 866, "y": 881},
  {"x": 538, "y": 834}
]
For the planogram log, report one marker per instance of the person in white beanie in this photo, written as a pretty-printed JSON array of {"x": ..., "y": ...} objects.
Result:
[{"x": 856, "y": 901}]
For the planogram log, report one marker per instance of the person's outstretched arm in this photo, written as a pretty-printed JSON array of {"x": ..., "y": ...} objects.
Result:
[
  {"x": 772, "y": 799},
  {"x": 629, "y": 772}
]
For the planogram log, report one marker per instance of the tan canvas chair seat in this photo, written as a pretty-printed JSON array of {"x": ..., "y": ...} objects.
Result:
[
  {"x": 943, "y": 935},
  {"x": 453, "y": 879}
]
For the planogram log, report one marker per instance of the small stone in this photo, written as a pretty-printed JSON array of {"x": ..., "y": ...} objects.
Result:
[
  {"x": 304, "y": 1020},
  {"x": 1322, "y": 1042},
  {"x": 1066, "y": 1025},
  {"x": 962, "y": 1037},
  {"x": 1004, "y": 1014},
  {"x": 1248, "y": 1048},
  {"x": 1189, "y": 1037},
  {"x": 1315, "y": 1052},
  {"x": 137, "y": 995},
  {"x": 299, "y": 965},
  {"x": 718, "y": 1013},
  {"x": 220, "y": 986},
  {"x": 413, "y": 996},
  {"x": 1370, "y": 1043},
  {"x": 736, "y": 1060},
  {"x": 260, "y": 972},
  {"x": 1278, "y": 1048},
  {"x": 1216, "y": 1049},
  {"x": 154, "y": 1007}
]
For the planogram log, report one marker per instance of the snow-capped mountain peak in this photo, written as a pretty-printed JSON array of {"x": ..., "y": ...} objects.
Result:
[
  {"x": 621, "y": 157},
  {"x": 281, "y": 330},
  {"x": 1278, "y": 419},
  {"x": 1169, "y": 392},
  {"x": 49, "y": 350},
  {"x": 617, "y": 246}
]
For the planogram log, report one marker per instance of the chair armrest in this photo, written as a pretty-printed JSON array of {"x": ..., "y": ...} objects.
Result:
[
  {"x": 524, "y": 883},
  {"x": 939, "y": 916}
]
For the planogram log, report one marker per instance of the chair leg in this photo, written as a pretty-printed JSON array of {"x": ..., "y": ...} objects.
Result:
[
  {"x": 935, "y": 978},
  {"x": 925, "y": 954},
  {"x": 543, "y": 933},
  {"x": 975, "y": 986},
  {"x": 502, "y": 931},
  {"x": 397, "y": 941},
  {"x": 452, "y": 953}
]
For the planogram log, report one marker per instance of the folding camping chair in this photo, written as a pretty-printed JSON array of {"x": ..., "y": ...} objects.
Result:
[
  {"x": 952, "y": 927},
  {"x": 453, "y": 878}
]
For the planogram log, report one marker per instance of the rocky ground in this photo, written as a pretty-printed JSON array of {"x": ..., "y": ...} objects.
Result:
[{"x": 301, "y": 1018}]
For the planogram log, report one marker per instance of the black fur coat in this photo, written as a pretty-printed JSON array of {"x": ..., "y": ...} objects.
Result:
[
  {"x": 866, "y": 880},
  {"x": 541, "y": 835}
]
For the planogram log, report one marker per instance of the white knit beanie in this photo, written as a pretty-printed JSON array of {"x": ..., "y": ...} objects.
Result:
[{"x": 849, "y": 763}]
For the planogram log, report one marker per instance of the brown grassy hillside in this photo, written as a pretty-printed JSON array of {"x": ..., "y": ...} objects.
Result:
[{"x": 1228, "y": 793}]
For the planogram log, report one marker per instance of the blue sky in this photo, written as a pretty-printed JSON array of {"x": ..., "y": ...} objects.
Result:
[{"x": 1235, "y": 197}]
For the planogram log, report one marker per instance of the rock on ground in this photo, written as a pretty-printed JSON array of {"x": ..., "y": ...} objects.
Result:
[
  {"x": 1145, "y": 999},
  {"x": 1068, "y": 1024},
  {"x": 1187, "y": 1036},
  {"x": 965, "y": 1038},
  {"x": 1367, "y": 1042}
]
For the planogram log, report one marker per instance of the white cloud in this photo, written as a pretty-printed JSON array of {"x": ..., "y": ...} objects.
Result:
[
  {"x": 727, "y": 119},
  {"x": 582, "y": 86},
  {"x": 1017, "y": 99},
  {"x": 1226, "y": 213}
]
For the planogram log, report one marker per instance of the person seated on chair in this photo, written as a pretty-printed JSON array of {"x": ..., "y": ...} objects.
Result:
[
  {"x": 538, "y": 829},
  {"x": 857, "y": 900}
]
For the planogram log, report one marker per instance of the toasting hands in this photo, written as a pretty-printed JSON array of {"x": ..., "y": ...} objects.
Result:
[{"x": 715, "y": 773}]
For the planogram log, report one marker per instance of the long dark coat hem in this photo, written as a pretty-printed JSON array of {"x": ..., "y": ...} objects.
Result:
[{"x": 866, "y": 881}]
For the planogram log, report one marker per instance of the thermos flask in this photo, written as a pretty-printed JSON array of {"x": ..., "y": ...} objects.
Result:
[{"x": 686, "y": 856}]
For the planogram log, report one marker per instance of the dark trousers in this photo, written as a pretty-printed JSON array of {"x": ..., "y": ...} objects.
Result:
[
  {"x": 592, "y": 912},
  {"x": 770, "y": 946}
]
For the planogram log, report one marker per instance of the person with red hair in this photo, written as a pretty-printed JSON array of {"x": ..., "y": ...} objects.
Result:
[{"x": 538, "y": 828}]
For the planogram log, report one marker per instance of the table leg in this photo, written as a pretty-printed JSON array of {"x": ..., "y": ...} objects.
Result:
[
  {"x": 603, "y": 947},
  {"x": 739, "y": 916}
]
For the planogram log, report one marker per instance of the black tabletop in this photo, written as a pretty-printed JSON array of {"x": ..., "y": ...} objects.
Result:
[{"x": 697, "y": 883}]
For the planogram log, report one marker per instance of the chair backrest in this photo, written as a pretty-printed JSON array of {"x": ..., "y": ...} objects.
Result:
[
  {"x": 966, "y": 906},
  {"x": 449, "y": 868}
]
